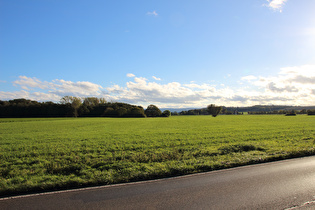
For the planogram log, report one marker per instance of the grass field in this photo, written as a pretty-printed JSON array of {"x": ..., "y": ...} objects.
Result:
[{"x": 60, "y": 153}]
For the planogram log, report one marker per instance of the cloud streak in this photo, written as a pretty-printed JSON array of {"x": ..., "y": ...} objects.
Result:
[
  {"x": 154, "y": 13},
  {"x": 291, "y": 86}
]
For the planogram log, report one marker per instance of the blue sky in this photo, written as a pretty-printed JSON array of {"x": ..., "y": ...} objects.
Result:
[{"x": 175, "y": 53}]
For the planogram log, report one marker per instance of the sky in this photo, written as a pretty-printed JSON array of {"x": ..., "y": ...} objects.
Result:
[{"x": 173, "y": 54}]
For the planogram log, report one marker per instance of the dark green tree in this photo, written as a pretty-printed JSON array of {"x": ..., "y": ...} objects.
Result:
[
  {"x": 166, "y": 113},
  {"x": 153, "y": 111},
  {"x": 311, "y": 112},
  {"x": 137, "y": 111},
  {"x": 214, "y": 110},
  {"x": 110, "y": 112}
]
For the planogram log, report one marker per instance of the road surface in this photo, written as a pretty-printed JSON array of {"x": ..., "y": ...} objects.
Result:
[{"x": 288, "y": 184}]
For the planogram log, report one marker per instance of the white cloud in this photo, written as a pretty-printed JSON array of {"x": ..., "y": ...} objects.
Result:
[
  {"x": 307, "y": 70},
  {"x": 170, "y": 94},
  {"x": 130, "y": 75},
  {"x": 154, "y": 13},
  {"x": 139, "y": 80},
  {"x": 37, "y": 96},
  {"x": 276, "y": 4},
  {"x": 291, "y": 86},
  {"x": 35, "y": 89},
  {"x": 158, "y": 79},
  {"x": 62, "y": 87},
  {"x": 13, "y": 95},
  {"x": 27, "y": 83}
]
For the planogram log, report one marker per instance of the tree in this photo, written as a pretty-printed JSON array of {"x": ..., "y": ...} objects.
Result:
[
  {"x": 74, "y": 101},
  {"x": 137, "y": 111},
  {"x": 166, "y": 113},
  {"x": 174, "y": 113},
  {"x": 91, "y": 101},
  {"x": 311, "y": 112},
  {"x": 303, "y": 111},
  {"x": 110, "y": 112},
  {"x": 121, "y": 111},
  {"x": 214, "y": 110},
  {"x": 153, "y": 111},
  {"x": 291, "y": 113},
  {"x": 102, "y": 101}
]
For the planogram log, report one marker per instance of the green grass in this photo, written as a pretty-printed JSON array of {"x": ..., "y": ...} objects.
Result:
[{"x": 60, "y": 153}]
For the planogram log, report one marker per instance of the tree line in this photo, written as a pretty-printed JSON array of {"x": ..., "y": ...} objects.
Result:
[
  {"x": 70, "y": 106},
  {"x": 285, "y": 112},
  {"x": 211, "y": 109},
  {"x": 259, "y": 110}
]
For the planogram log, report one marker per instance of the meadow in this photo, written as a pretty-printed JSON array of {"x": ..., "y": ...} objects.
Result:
[{"x": 60, "y": 153}]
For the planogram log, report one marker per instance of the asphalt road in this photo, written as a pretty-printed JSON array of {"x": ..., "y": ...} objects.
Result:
[{"x": 288, "y": 184}]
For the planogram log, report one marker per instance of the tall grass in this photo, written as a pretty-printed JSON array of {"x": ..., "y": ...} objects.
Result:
[{"x": 61, "y": 153}]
